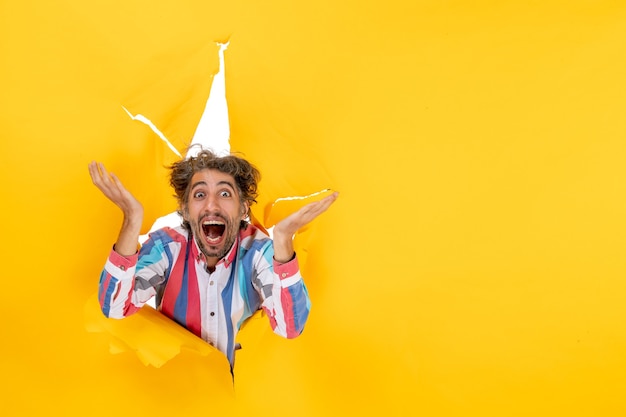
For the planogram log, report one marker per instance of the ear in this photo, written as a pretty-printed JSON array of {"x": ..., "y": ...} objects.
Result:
[{"x": 245, "y": 208}]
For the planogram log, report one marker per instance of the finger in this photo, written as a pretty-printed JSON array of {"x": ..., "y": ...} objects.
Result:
[
  {"x": 119, "y": 186},
  {"x": 327, "y": 201},
  {"x": 104, "y": 174},
  {"x": 115, "y": 180},
  {"x": 102, "y": 179},
  {"x": 108, "y": 179},
  {"x": 316, "y": 208},
  {"x": 96, "y": 174},
  {"x": 93, "y": 170}
]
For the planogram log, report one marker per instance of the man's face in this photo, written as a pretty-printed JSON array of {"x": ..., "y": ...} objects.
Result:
[{"x": 214, "y": 211}]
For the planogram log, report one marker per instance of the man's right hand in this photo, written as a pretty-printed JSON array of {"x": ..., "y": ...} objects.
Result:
[{"x": 115, "y": 191}]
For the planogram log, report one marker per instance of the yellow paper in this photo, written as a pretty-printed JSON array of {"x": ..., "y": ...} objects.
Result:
[{"x": 473, "y": 265}]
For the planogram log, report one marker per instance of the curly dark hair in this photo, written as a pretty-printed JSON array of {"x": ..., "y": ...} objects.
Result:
[{"x": 246, "y": 175}]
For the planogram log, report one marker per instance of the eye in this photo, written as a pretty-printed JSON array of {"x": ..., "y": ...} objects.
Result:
[
  {"x": 224, "y": 193},
  {"x": 199, "y": 194}
]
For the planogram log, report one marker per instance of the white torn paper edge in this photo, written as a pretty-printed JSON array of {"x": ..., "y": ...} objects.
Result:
[
  {"x": 301, "y": 197},
  {"x": 212, "y": 132},
  {"x": 143, "y": 119}
]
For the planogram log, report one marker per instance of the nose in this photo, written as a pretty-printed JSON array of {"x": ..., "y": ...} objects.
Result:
[{"x": 212, "y": 204}]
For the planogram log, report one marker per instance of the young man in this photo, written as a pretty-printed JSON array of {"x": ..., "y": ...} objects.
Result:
[{"x": 215, "y": 270}]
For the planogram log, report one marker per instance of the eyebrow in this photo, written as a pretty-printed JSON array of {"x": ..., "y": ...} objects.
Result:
[{"x": 194, "y": 185}]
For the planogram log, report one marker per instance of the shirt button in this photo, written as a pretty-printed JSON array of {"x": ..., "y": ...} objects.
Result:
[
  {"x": 211, "y": 283},
  {"x": 284, "y": 274},
  {"x": 122, "y": 267},
  {"x": 212, "y": 313}
]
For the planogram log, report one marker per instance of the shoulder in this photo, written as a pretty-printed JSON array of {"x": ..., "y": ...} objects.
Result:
[
  {"x": 168, "y": 235},
  {"x": 253, "y": 237}
]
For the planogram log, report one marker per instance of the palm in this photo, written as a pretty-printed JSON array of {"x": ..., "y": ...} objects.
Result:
[
  {"x": 113, "y": 189},
  {"x": 295, "y": 221}
]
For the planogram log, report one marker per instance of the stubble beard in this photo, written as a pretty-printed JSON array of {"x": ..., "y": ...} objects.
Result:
[{"x": 230, "y": 233}]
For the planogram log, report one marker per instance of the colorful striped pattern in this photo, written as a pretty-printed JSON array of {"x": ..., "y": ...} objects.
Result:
[{"x": 213, "y": 306}]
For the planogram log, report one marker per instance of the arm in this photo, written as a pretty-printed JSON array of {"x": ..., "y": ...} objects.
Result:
[
  {"x": 121, "y": 292},
  {"x": 284, "y": 296},
  {"x": 127, "y": 283},
  {"x": 112, "y": 188},
  {"x": 288, "y": 304}
]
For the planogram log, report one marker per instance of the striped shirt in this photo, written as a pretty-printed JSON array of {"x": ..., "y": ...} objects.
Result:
[{"x": 212, "y": 305}]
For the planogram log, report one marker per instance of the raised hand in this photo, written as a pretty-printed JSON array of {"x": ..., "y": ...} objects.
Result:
[
  {"x": 286, "y": 228},
  {"x": 115, "y": 191}
]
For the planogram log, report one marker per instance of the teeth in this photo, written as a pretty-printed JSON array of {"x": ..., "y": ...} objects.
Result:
[
  {"x": 213, "y": 222},
  {"x": 218, "y": 223}
]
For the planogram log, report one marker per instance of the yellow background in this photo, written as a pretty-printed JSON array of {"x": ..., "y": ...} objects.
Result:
[{"x": 472, "y": 266}]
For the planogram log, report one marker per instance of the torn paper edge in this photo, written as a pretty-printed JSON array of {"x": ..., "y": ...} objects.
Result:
[{"x": 212, "y": 132}]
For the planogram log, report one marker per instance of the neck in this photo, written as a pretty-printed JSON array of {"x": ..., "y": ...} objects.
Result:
[{"x": 210, "y": 261}]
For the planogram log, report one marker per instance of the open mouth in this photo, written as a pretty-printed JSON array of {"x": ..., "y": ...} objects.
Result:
[{"x": 213, "y": 230}]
